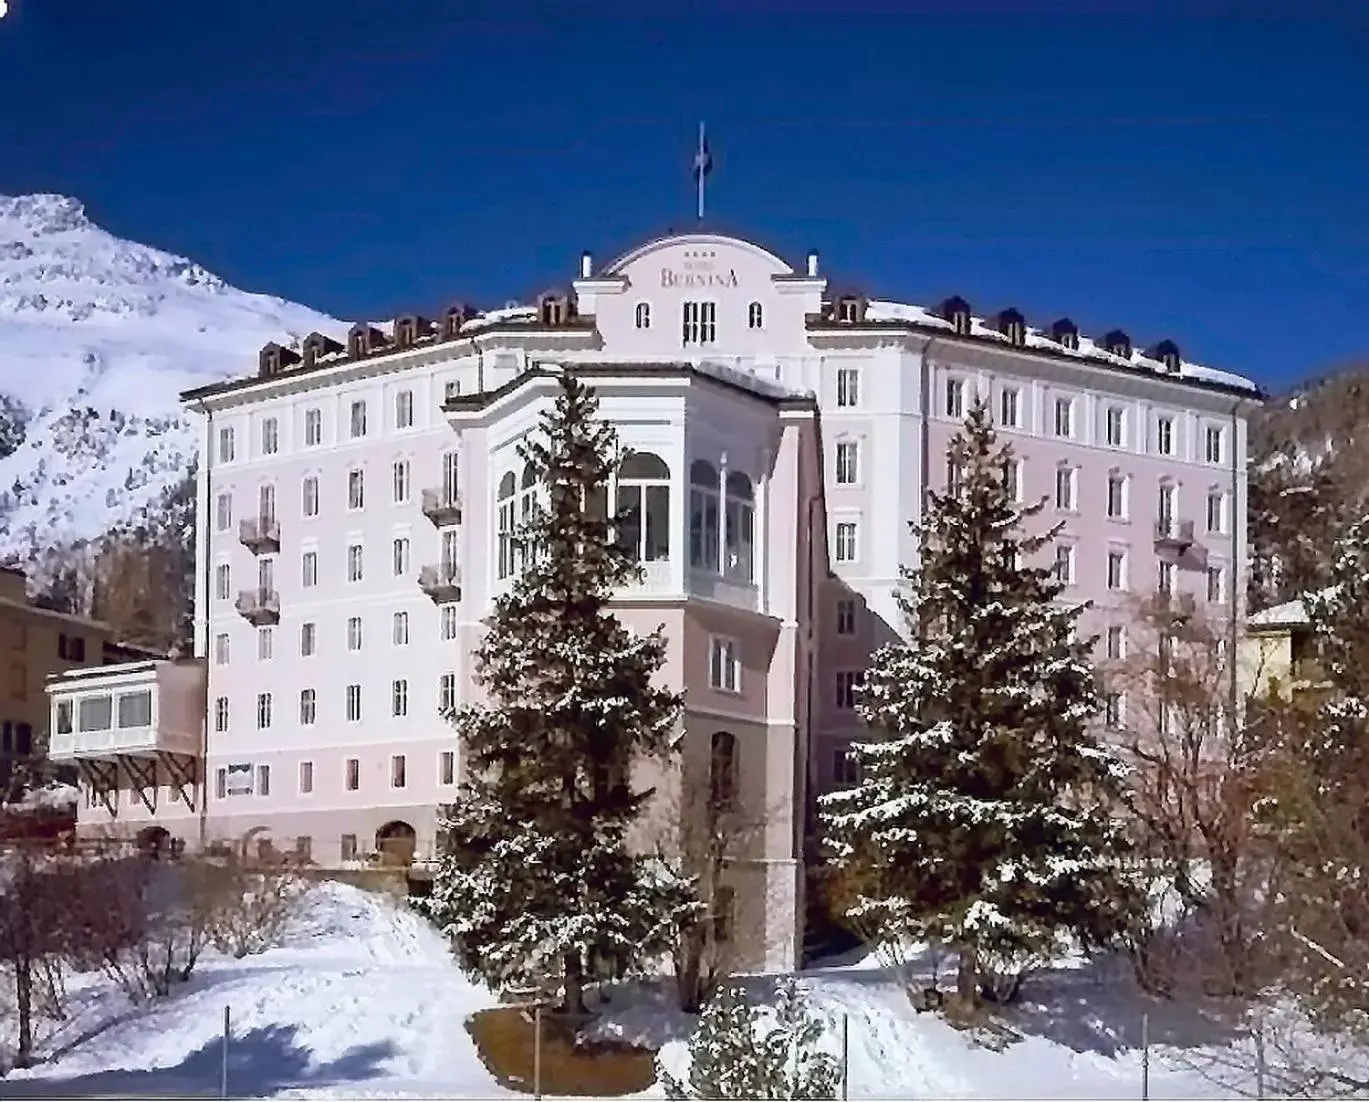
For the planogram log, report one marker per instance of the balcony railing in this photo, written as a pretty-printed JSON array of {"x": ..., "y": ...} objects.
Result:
[
  {"x": 121, "y": 742},
  {"x": 1173, "y": 535},
  {"x": 442, "y": 505},
  {"x": 259, "y": 606},
  {"x": 441, "y": 582},
  {"x": 260, "y": 535}
]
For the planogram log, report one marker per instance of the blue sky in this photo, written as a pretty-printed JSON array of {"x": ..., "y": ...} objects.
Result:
[{"x": 1203, "y": 178}]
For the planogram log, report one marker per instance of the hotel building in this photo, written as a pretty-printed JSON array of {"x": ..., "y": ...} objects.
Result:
[{"x": 356, "y": 495}]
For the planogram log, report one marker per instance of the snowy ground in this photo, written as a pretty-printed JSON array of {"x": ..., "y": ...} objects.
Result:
[{"x": 364, "y": 1001}]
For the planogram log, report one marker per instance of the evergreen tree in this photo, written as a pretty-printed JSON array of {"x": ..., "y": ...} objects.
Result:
[
  {"x": 733, "y": 1054},
  {"x": 535, "y": 880},
  {"x": 984, "y": 819}
]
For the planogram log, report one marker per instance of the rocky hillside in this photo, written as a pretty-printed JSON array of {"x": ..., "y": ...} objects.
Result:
[{"x": 97, "y": 338}]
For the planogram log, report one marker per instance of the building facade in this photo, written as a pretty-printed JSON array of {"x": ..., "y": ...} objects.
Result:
[{"x": 356, "y": 496}]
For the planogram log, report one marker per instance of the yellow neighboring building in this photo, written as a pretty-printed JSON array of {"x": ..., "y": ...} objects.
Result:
[{"x": 1280, "y": 652}]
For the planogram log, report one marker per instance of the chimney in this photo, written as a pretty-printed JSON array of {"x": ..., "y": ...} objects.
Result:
[
  {"x": 812, "y": 263},
  {"x": 586, "y": 265}
]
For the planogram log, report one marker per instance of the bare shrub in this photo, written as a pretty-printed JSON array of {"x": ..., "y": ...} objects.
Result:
[{"x": 255, "y": 907}]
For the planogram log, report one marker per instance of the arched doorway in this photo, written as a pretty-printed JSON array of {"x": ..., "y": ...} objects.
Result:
[
  {"x": 153, "y": 841},
  {"x": 396, "y": 842}
]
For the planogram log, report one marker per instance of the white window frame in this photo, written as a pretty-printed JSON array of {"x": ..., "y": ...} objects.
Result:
[
  {"x": 356, "y": 489},
  {"x": 356, "y": 419},
  {"x": 1115, "y": 426},
  {"x": 1164, "y": 434},
  {"x": 313, "y": 427},
  {"x": 270, "y": 436},
  {"x": 353, "y": 698},
  {"x": 1122, "y": 509},
  {"x": 308, "y": 707},
  {"x": 1214, "y": 444},
  {"x": 724, "y": 664},
  {"x": 1063, "y": 422},
  {"x": 355, "y": 637},
  {"x": 399, "y": 629},
  {"x": 1065, "y": 563},
  {"x": 1066, "y": 488},
  {"x": 1117, "y": 569},
  {"x": 953, "y": 404},
  {"x": 404, "y": 409},
  {"x": 1010, "y": 407},
  {"x": 846, "y": 540},
  {"x": 355, "y": 563},
  {"x": 848, "y": 387},
  {"x": 846, "y": 468}
]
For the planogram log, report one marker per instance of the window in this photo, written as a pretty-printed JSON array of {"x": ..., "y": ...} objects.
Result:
[
  {"x": 1115, "y": 426},
  {"x": 846, "y": 541},
  {"x": 446, "y": 692},
  {"x": 725, "y": 665},
  {"x": 446, "y": 767},
  {"x": 451, "y": 478},
  {"x": 1064, "y": 417},
  {"x": 309, "y": 492},
  {"x": 845, "y": 768},
  {"x": 1116, "y": 641},
  {"x": 404, "y": 409},
  {"x": 848, "y": 387},
  {"x": 1212, "y": 444},
  {"x": 755, "y": 316},
  {"x": 1216, "y": 511},
  {"x": 699, "y": 322},
  {"x": 1166, "y": 580},
  {"x": 223, "y": 583},
  {"x": 449, "y": 552},
  {"x": 266, "y": 640},
  {"x": 447, "y": 622},
  {"x": 135, "y": 709},
  {"x": 351, "y": 774},
  {"x": 220, "y": 715},
  {"x": 704, "y": 543},
  {"x": 263, "y": 780},
  {"x": 847, "y": 680},
  {"x": 848, "y": 462},
  {"x": 313, "y": 428},
  {"x": 1216, "y": 584},
  {"x": 1012, "y": 478},
  {"x": 356, "y": 489},
  {"x": 1117, "y": 495},
  {"x": 955, "y": 398},
  {"x": 398, "y": 775},
  {"x": 643, "y": 315},
  {"x": 1112, "y": 711},
  {"x": 399, "y": 556},
  {"x": 1066, "y": 480},
  {"x": 641, "y": 506},
  {"x": 399, "y": 697},
  {"x": 307, "y": 635},
  {"x": 270, "y": 436},
  {"x": 226, "y": 444},
  {"x": 358, "y": 421},
  {"x": 846, "y": 617},
  {"x": 400, "y": 629},
  {"x": 353, "y": 703},
  {"x": 1164, "y": 435},
  {"x": 1008, "y": 411},
  {"x": 354, "y": 633},
  {"x": 95, "y": 713},
  {"x": 306, "y": 777},
  {"x": 1165, "y": 521},
  {"x": 722, "y": 771},
  {"x": 348, "y": 847},
  {"x": 308, "y": 707},
  {"x": 1117, "y": 570},
  {"x": 223, "y": 512},
  {"x": 400, "y": 481},
  {"x": 221, "y": 649},
  {"x": 309, "y": 569},
  {"x": 220, "y": 784},
  {"x": 263, "y": 710},
  {"x": 508, "y": 488},
  {"x": 1064, "y": 564},
  {"x": 266, "y": 504},
  {"x": 738, "y": 533},
  {"x": 354, "y": 563}
]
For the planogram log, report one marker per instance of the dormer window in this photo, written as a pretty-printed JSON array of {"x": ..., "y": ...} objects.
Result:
[
  {"x": 1013, "y": 326},
  {"x": 363, "y": 340},
  {"x": 410, "y": 328},
  {"x": 316, "y": 346},
  {"x": 1118, "y": 344},
  {"x": 1066, "y": 334},
  {"x": 453, "y": 318},
  {"x": 957, "y": 311},
  {"x": 850, "y": 309},
  {"x": 275, "y": 359},
  {"x": 643, "y": 315},
  {"x": 755, "y": 316},
  {"x": 555, "y": 309},
  {"x": 1167, "y": 352}
]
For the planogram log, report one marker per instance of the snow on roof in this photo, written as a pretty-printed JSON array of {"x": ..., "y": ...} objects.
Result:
[
  {"x": 1289, "y": 614},
  {"x": 881, "y": 310},
  {"x": 53, "y": 796}
]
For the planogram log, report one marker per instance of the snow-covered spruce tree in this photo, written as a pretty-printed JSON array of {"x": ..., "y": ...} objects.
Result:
[
  {"x": 735, "y": 1053},
  {"x": 985, "y": 820},
  {"x": 535, "y": 882}
]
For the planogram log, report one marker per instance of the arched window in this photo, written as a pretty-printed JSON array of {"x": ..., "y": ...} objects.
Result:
[
  {"x": 722, "y": 771},
  {"x": 703, "y": 515},
  {"x": 739, "y": 538},
  {"x": 755, "y": 316},
  {"x": 643, "y": 315},
  {"x": 527, "y": 504},
  {"x": 507, "y": 490},
  {"x": 642, "y": 507}
]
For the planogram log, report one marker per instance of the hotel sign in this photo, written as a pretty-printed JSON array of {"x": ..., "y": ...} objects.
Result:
[{"x": 697, "y": 273}]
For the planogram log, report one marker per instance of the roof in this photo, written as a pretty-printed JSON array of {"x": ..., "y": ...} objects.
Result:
[{"x": 1290, "y": 614}]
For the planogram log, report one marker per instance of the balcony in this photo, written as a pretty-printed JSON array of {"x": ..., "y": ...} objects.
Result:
[
  {"x": 138, "y": 710},
  {"x": 442, "y": 506},
  {"x": 260, "y": 535},
  {"x": 1172, "y": 535},
  {"x": 259, "y": 606},
  {"x": 441, "y": 582}
]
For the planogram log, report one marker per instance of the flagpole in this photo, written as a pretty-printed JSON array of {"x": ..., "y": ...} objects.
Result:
[{"x": 700, "y": 173}]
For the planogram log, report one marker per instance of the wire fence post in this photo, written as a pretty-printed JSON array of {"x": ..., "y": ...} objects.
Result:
[
  {"x": 223, "y": 1068},
  {"x": 845, "y": 1057},
  {"x": 537, "y": 1051},
  {"x": 1145, "y": 1056}
]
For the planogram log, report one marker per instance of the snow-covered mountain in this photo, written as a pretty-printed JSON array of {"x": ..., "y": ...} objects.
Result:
[{"x": 98, "y": 336}]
